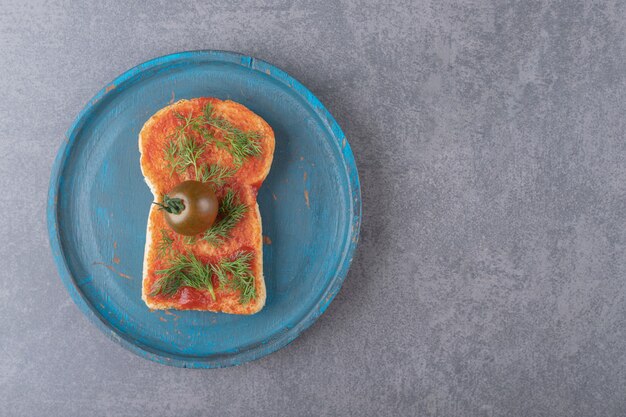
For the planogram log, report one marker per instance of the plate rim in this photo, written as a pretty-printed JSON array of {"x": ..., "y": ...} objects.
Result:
[{"x": 281, "y": 339}]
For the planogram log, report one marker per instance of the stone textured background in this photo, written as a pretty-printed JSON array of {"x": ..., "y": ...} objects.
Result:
[{"x": 491, "y": 275}]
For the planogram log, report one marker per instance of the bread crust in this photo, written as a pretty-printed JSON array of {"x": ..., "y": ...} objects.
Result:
[{"x": 246, "y": 236}]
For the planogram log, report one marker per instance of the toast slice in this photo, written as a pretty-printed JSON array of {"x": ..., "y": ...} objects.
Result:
[{"x": 240, "y": 176}]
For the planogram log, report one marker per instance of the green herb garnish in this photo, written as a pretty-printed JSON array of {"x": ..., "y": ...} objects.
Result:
[
  {"x": 241, "y": 278},
  {"x": 241, "y": 144},
  {"x": 165, "y": 244},
  {"x": 188, "y": 271},
  {"x": 231, "y": 213},
  {"x": 183, "y": 151},
  {"x": 189, "y": 240},
  {"x": 216, "y": 174},
  {"x": 184, "y": 271}
]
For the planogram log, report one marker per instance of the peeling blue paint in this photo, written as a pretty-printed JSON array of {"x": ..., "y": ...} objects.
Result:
[{"x": 311, "y": 248}]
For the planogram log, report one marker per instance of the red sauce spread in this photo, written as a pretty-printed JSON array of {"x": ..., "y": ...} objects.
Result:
[{"x": 244, "y": 237}]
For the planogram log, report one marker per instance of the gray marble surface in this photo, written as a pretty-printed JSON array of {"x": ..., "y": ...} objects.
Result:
[{"x": 490, "y": 279}]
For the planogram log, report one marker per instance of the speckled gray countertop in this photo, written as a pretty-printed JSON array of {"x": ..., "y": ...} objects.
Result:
[{"x": 490, "y": 279}]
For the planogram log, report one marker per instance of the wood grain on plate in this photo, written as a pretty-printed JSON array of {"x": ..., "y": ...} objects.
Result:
[{"x": 98, "y": 206}]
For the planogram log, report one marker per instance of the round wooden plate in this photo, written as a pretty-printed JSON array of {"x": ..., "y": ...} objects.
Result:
[{"x": 98, "y": 207}]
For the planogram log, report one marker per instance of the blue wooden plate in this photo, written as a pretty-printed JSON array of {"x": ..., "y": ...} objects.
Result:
[{"x": 98, "y": 207}]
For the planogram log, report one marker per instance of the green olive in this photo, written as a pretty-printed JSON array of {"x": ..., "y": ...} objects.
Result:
[{"x": 190, "y": 207}]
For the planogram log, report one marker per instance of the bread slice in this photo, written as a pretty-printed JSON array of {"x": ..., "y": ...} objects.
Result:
[{"x": 245, "y": 237}]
